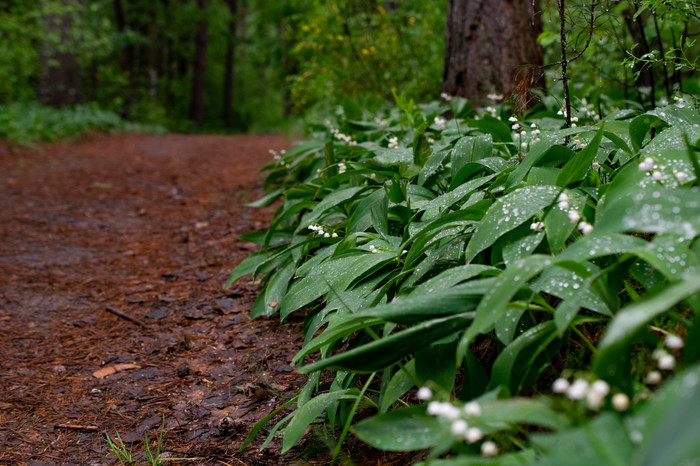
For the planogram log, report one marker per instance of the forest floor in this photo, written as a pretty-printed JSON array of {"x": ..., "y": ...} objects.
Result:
[{"x": 147, "y": 226}]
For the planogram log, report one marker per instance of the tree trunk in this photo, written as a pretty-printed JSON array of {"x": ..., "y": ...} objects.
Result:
[
  {"x": 229, "y": 64},
  {"x": 489, "y": 45},
  {"x": 646, "y": 74},
  {"x": 60, "y": 83},
  {"x": 200, "y": 66}
]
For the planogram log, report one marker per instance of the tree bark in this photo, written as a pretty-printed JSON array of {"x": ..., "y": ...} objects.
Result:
[
  {"x": 200, "y": 66},
  {"x": 60, "y": 83},
  {"x": 489, "y": 45},
  {"x": 230, "y": 64}
]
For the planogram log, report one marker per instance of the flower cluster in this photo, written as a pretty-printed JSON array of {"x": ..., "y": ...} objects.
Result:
[
  {"x": 393, "y": 142},
  {"x": 321, "y": 232},
  {"x": 343, "y": 137},
  {"x": 439, "y": 122},
  {"x": 460, "y": 418},
  {"x": 594, "y": 393}
]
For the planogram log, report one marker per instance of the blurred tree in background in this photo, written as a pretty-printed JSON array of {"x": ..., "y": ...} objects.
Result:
[{"x": 248, "y": 65}]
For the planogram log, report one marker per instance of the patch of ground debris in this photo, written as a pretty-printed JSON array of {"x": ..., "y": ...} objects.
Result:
[{"x": 113, "y": 315}]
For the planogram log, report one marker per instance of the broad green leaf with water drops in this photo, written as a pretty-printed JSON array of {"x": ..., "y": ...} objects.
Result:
[
  {"x": 653, "y": 210},
  {"x": 330, "y": 201},
  {"x": 405, "y": 429},
  {"x": 508, "y": 213},
  {"x": 599, "y": 245},
  {"x": 577, "y": 168},
  {"x": 495, "y": 302},
  {"x": 470, "y": 149},
  {"x": 337, "y": 272}
]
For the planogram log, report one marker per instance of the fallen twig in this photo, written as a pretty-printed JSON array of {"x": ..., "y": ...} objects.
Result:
[
  {"x": 126, "y": 316},
  {"x": 77, "y": 427}
]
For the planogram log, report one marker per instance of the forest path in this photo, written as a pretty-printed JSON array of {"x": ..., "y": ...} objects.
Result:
[{"x": 147, "y": 225}]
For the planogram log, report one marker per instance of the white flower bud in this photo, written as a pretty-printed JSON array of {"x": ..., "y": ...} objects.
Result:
[
  {"x": 594, "y": 400},
  {"x": 489, "y": 449},
  {"x": 434, "y": 408},
  {"x": 472, "y": 409},
  {"x": 595, "y": 165},
  {"x": 459, "y": 427},
  {"x": 577, "y": 390},
  {"x": 681, "y": 176},
  {"x": 653, "y": 378},
  {"x": 656, "y": 176},
  {"x": 560, "y": 385},
  {"x": 620, "y": 402},
  {"x": 474, "y": 434},
  {"x": 600, "y": 387},
  {"x": 334, "y": 235},
  {"x": 574, "y": 216},
  {"x": 424, "y": 393},
  {"x": 563, "y": 205},
  {"x": 450, "y": 411},
  {"x": 666, "y": 362},
  {"x": 673, "y": 341}
]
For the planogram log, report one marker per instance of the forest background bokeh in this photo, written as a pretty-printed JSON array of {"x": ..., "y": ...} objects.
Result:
[{"x": 256, "y": 65}]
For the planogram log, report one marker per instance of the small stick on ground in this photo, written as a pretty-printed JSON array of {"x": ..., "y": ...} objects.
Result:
[
  {"x": 77, "y": 427},
  {"x": 126, "y": 316}
]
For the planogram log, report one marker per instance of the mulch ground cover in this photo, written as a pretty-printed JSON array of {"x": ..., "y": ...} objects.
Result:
[{"x": 113, "y": 315}]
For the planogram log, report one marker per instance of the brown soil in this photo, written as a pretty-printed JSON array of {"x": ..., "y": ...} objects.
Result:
[{"x": 149, "y": 226}]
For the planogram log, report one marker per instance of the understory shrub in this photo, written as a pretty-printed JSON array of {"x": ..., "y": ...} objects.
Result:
[
  {"x": 539, "y": 285},
  {"x": 28, "y": 123}
]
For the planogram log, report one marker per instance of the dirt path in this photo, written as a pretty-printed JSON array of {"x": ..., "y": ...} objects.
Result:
[{"x": 147, "y": 225}]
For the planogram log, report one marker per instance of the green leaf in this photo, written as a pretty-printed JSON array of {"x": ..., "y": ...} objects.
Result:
[
  {"x": 599, "y": 245},
  {"x": 613, "y": 349},
  {"x": 508, "y": 213},
  {"x": 246, "y": 267},
  {"x": 330, "y": 201},
  {"x": 535, "y": 412},
  {"x": 308, "y": 414},
  {"x": 421, "y": 147},
  {"x": 668, "y": 424},
  {"x": 653, "y": 210},
  {"x": 505, "y": 362},
  {"x": 378, "y": 213},
  {"x": 400, "y": 383},
  {"x": 576, "y": 169},
  {"x": 436, "y": 363},
  {"x": 539, "y": 152},
  {"x": 493, "y": 126},
  {"x": 495, "y": 302},
  {"x": 275, "y": 291},
  {"x": 470, "y": 149},
  {"x": 525, "y": 457},
  {"x": 639, "y": 129},
  {"x": 602, "y": 441},
  {"x": 379, "y": 354},
  {"x": 402, "y": 430},
  {"x": 336, "y": 272},
  {"x": 451, "y": 277}
]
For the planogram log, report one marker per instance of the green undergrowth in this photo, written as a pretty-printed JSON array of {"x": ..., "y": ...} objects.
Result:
[
  {"x": 539, "y": 284},
  {"x": 29, "y": 123}
]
